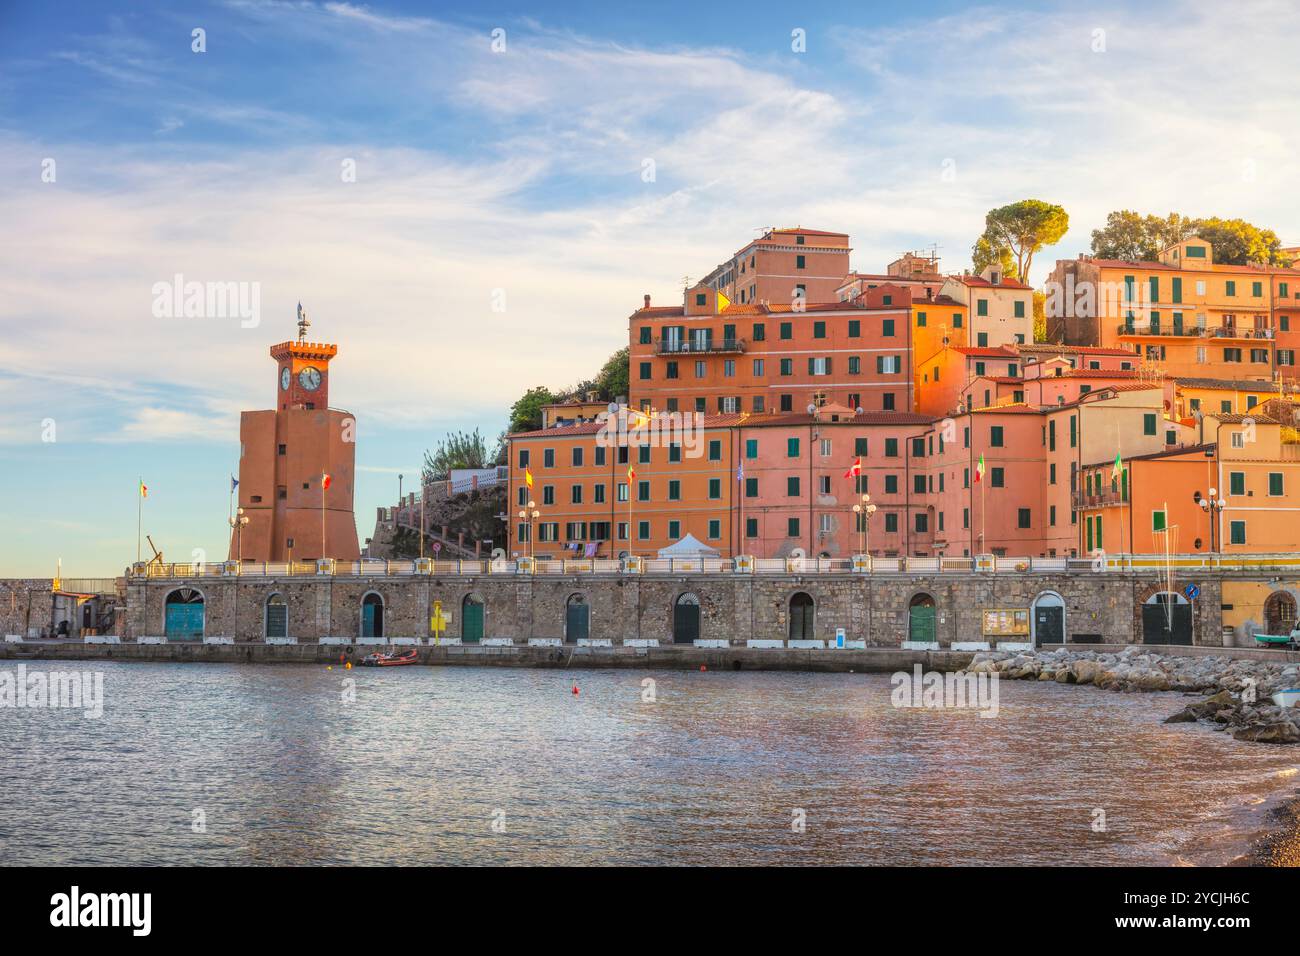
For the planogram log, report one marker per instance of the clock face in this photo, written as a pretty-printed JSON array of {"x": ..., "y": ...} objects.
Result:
[
  {"x": 309, "y": 378},
  {"x": 284, "y": 379}
]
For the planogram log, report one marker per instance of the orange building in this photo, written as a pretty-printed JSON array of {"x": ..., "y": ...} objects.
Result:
[
  {"x": 783, "y": 265},
  {"x": 285, "y": 454},
  {"x": 1248, "y": 471},
  {"x": 709, "y": 356}
]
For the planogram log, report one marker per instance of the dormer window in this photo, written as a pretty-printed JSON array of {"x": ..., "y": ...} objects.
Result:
[{"x": 701, "y": 298}]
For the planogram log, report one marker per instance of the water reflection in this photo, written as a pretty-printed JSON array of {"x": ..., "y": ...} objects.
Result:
[{"x": 715, "y": 771}]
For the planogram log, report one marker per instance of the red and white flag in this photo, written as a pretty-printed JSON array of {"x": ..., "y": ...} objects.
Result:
[
  {"x": 855, "y": 469},
  {"x": 325, "y": 480}
]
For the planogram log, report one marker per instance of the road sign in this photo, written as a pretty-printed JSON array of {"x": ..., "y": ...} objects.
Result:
[
  {"x": 437, "y": 546},
  {"x": 1193, "y": 591}
]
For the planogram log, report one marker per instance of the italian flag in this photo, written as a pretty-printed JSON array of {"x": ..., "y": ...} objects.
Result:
[
  {"x": 979, "y": 469},
  {"x": 631, "y": 472},
  {"x": 144, "y": 489},
  {"x": 1118, "y": 468}
]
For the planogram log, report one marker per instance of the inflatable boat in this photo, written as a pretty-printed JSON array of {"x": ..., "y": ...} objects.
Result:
[{"x": 390, "y": 660}]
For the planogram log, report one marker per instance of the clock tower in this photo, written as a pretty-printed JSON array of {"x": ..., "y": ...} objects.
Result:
[{"x": 291, "y": 511}]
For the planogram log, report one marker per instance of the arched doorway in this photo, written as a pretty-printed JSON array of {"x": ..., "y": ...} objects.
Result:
[
  {"x": 801, "y": 616},
  {"x": 921, "y": 618},
  {"x": 372, "y": 615},
  {"x": 1279, "y": 613},
  {"x": 471, "y": 619},
  {"x": 1048, "y": 619},
  {"x": 276, "y": 617},
  {"x": 686, "y": 619},
  {"x": 577, "y": 618},
  {"x": 1166, "y": 619},
  {"x": 183, "y": 616}
]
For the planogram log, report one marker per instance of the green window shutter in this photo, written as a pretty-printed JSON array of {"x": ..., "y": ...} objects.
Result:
[
  {"x": 751, "y": 487},
  {"x": 1157, "y": 521},
  {"x": 1238, "y": 530},
  {"x": 715, "y": 488},
  {"x": 1230, "y": 288},
  {"x": 792, "y": 448},
  {"x": 855, "y": 328},
  {"x": 1149, "y": 424},
  {"x": 1237, "y": 483},
  {"x": 1177, "y": 293},
  {"x": 751, "y": 447},
  {"x": 887, "y": 327},
  {"x": 995, "y": 436},
  {"x": 920, "y": 319},
  {"x": 982, "y": 307},
  {"x": 1257, "y": 289},
  {"x": 859, "y": 446},
  {"x": 1155, "y": 288},
  {"x": 819, "y": 330},
  {"x": 1020, "y": 309},
  {"x": 1275, "y": 483}
]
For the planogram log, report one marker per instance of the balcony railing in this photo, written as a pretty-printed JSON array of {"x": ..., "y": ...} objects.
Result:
[
  {"x": 745, "y": 565},
  {"x": 1196, "y": 331},
  {"x": 696, "y": 347},
  {"x": 1108, "y": 499}
]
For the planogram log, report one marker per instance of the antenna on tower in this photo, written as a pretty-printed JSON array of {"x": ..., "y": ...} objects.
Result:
[{"x": 303, "y": 324}]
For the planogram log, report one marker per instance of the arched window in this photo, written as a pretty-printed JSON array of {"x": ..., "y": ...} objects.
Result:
[{"x": 1279, "y": 613}]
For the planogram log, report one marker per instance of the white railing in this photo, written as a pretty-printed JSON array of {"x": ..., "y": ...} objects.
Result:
[{"x": 859, "y": 564}]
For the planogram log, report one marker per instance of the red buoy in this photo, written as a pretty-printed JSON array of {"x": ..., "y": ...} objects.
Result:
[
  {"x": 703, "y": 668},
  {"x": 575, "y": 690}
]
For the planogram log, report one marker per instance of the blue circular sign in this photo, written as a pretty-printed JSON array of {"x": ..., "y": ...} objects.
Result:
[{"x": 1193, "y": 591}]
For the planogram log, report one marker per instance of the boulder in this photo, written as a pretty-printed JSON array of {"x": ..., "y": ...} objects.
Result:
[{"x": 1278, "y": 732}]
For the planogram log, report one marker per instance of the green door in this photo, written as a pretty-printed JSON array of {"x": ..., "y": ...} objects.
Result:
[
  {"x": 920, "y": 623},
  {"x": 471, "y": 621},
  {"x": 577, "y": 624}
]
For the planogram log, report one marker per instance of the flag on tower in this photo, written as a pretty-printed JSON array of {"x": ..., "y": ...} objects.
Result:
[
  {"x": 979, "y": 469},
  {"x": 855, "y": 469}
]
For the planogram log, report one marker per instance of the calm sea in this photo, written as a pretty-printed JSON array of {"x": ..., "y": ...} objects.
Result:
[{"x": 293, "y": 764}]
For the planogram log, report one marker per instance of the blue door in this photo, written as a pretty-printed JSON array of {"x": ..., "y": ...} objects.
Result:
[{"x": 184, "y": 620}]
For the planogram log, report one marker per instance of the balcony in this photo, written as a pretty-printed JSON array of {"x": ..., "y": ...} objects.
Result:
[
  {"x": 1107, "y": 499},
  {"x": 1196, "y": 331},
  {"x": 707, "y": 347}
]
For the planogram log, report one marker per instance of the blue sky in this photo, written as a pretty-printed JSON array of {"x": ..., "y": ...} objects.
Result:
[{"x": 521, "y": 171}]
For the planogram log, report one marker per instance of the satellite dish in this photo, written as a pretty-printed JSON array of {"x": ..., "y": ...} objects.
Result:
[
  {"x": 812, "y": 408},
  {"x": 798, "y": 553},
  {"x": 858, "y": 410}
]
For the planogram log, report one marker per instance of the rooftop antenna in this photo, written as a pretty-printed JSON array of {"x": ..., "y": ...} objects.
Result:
[
  {"x": 303, "y": 324},
  {"x": 686, "y": 282}
]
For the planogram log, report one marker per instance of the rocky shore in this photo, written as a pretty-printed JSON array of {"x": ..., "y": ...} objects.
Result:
[{"x": 1238, "y": 692}]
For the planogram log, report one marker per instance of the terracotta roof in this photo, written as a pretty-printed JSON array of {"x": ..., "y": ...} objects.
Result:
[
  {"x": 1087, "y": 373},
  {"x": 1167, "y": 453},
  {"x": 999, "y": 351},
  {"x": 1058, "y": 349},
  {"x": 1240, "y": 419},
  {"x": 1226, "y": 384},
  {"x": 981, "y": 282}
]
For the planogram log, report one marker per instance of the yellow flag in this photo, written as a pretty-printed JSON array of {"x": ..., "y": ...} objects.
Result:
[
  {"x": 723, "y": 302},
  {"x": 528, "y": 478}
]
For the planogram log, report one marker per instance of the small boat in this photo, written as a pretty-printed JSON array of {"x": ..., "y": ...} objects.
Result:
[
  {"x": 390, "y": 660},
  {"x": 1287, "y": 698}
]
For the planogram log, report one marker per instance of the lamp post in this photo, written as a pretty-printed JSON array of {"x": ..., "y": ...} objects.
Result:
[
  {"x": 237, "y": 522},
  {"x": 529, "y": 515},
  {"x": 864, "y": 511},
  {"x": 1212, "y": 506}
]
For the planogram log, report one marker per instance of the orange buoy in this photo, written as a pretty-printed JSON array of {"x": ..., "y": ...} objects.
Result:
[{"x": 348, "y": 666}]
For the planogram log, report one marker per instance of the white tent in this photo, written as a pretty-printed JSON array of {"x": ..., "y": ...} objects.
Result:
[{"x": 689, "y": 547}]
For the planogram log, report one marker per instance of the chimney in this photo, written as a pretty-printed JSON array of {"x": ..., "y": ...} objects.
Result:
[{"x": 647, "y": 300}]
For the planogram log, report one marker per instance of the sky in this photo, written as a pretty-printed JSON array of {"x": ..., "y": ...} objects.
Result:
[{"x": 470, "y": 199}]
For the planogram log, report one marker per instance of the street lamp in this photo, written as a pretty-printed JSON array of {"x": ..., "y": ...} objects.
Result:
[
  {"x": 237, "y": 522},
  {"x": 864, "y": 511},
  {"x": 529, "y": 515},
  {"x": 1211, "y": 506}
]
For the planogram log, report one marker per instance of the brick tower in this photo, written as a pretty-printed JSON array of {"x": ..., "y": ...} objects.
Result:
[{"x": 285, "y": 453}]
